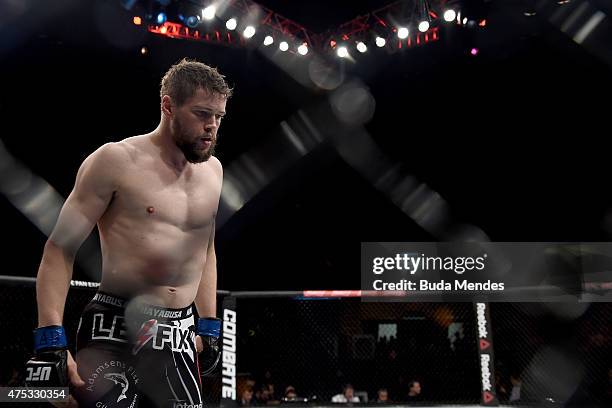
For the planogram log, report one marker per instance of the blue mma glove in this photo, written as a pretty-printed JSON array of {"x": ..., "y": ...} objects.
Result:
[
  {"x": 48, "y": 367},
  {"x": 209, "y": 329}
]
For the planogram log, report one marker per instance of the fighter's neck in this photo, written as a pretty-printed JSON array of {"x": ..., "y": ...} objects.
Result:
[{"x": 169, "y": 152}]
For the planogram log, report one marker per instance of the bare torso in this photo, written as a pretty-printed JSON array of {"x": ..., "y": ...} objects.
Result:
[{"x": 156, "y": 229}]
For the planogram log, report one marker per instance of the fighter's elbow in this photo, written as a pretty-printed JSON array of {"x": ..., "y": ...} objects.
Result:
[{"x": 56, "y": 249}]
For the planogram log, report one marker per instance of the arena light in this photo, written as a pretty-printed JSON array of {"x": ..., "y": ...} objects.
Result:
[
  {"x": 209, "y": 12},
  {"x": 380, "y": 42},
  {"x": 137, "y": 20},
  {"x": 342, "y": 52},
  {"x": 192, "y": 21},
  {"x": 269, "y": 40},
  {"x": 303, "y": 49},
  {"x": 361, "y": 47},
  {"x": 283, "y": 46},
  {"x": 424, "y": 16},
  {"x": 161, "y": 18},
  {"x": 402, "y": 33},
  {"x": 231, "y": 24},
  {"x": 249, "y": 32},
  {"x": 449, "y": 15}
]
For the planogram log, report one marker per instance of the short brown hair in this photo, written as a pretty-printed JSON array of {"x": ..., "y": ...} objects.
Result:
[{"x": 184, "y": 78}]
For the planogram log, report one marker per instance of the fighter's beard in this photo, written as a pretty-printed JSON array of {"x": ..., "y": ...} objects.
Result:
[
  {"x": 190, "y": 149},
  {"x": 193, "y": 154}
]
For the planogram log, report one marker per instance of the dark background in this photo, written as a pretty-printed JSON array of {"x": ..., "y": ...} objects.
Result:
[{"x": 513, "y": 139}]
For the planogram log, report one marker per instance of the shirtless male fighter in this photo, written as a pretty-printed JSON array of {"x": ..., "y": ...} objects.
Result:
[{"x": 154, "y": 198}]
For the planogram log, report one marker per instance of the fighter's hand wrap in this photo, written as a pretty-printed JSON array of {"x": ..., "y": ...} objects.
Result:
[
  {"x": 209, "y": 329},
  {"x": 48, "y": 367}
]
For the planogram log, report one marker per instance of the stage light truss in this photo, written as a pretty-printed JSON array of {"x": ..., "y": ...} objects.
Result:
[{"x": 365, "y": 31}]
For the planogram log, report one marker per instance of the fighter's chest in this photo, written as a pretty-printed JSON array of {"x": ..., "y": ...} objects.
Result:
[{"x": 185, "y": 203}]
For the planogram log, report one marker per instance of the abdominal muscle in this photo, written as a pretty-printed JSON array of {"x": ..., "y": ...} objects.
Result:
[{"x": 156, "y": 260}]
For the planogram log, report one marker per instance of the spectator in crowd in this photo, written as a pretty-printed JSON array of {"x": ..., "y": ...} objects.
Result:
[
  {"x": 502, "y": 386},
  {"x": 262, "y": 396},
  {"x": 290, "y": 393},
  {"x": 382, "y": 396},
  {"x": 247, "y": 397},
  {"x": 265, "y": 391},
  {"x": 271, "y": 390},
  {"x": 515, "y": 392},
  {"x": 414, "y": 391},
  {"x": 273, "y": 400},
  {"x": 348, "y": 395}
]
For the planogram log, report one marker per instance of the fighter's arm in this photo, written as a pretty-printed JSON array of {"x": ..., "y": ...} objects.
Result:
[
  {"x": 206, "y": 298},
  {"x": 95, "y": 184}
]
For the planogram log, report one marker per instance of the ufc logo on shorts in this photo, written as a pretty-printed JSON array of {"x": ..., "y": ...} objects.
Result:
[
  {"x": 38, "y": 374},
  {"x": 177, "y": 337}
]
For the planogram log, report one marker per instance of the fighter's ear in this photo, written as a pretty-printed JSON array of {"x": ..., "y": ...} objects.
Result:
[{"x": 167, "y": 106}]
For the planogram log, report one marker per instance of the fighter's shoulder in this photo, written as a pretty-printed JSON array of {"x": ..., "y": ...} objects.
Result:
[
  {"x": 110, "y": 155},
  {"x": 216, "y": 165}
]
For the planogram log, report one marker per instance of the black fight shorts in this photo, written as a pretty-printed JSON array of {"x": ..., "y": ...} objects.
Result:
[{"x": 136, "y": 355}]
